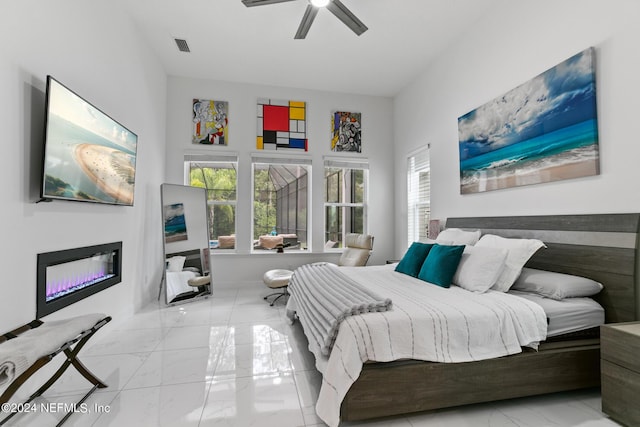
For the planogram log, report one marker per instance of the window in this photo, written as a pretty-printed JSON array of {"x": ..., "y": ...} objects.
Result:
[
  {"x": 218, "y": 175},
  {"x": 418, "y": 195},
  {"x": 281, "y": 199},
  {"x": 345, "y": 196}
]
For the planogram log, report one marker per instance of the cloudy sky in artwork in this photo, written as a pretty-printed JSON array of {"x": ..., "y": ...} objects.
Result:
[{"x": 561, "y": 96}]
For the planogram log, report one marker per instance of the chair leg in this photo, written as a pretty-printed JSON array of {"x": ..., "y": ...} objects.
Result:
[
  {"x": 270, "y": 295},
  {"x": 279, "y": 295},
  {"x": 72, "y": 360}
]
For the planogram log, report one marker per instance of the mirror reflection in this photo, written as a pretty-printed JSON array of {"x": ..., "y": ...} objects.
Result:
[{"x": 186, "y": 243}]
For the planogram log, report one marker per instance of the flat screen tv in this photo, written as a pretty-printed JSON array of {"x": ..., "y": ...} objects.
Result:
[{"x": 88, "y": 156}]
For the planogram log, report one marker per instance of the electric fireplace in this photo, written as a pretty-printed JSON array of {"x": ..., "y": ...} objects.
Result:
[{"x": 65, "y": 277}]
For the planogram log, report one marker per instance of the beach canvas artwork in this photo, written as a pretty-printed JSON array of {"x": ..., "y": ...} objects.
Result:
[
  {"x": 281, "y": 125},
  {"x": 544, "y": 130},
  {"x": 175, "y": 226},
  {"x": 210, "y": 122},
  {"x": 88, "y": 155},
  {"x": 346, "y": 129}
]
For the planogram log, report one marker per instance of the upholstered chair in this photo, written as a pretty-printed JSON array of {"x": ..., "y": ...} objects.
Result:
[{"x": 357, "y": 250}]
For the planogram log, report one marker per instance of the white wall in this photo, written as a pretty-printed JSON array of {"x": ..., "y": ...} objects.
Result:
[
  {"x": 513, "y": 43},
  {"x": 94, "y": 49},
  {"x": 377, "y": 147}
]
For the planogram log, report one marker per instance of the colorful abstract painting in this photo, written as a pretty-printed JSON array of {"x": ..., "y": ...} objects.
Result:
[
  {"x": 544, "y": 130},
  {"x": 175, "y": 226},
  {"x": 346, "y": 131},
  {"x": 210, "y": 122},
  {"x": 282, "y": 125}
]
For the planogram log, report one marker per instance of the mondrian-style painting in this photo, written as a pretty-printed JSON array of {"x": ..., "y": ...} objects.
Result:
[
  {"x": 210, "y": 122},
  {"x": 282, "y": 125},
  {"x": 346, "y": 131}
]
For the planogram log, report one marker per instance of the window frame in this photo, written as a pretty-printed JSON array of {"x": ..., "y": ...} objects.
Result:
[
  {"x": 345, "y": 164},
  {"x": 275, "y": 160},
  {"x": 190, "y": 159},
  {"x": 419, "y": 161}
]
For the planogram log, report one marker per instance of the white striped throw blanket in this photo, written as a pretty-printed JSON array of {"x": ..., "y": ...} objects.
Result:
[{"x": 324, "y": 297}]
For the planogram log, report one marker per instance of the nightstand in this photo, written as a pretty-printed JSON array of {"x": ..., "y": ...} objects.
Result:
[{"x": 620, "y": 371}]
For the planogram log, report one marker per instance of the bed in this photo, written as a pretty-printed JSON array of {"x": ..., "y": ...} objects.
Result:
[
  {"x": 603, "y": 247},
  {"x": 188, "y": 265}
]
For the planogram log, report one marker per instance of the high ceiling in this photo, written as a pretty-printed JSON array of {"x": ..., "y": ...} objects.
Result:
[{"x": 231, "y": 42}]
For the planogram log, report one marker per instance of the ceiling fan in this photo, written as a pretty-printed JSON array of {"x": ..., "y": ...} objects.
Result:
[{"x": 334, "y": 6}]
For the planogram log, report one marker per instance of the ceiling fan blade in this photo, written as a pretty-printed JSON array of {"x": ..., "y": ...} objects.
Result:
[
  {"x": 250, "y": 3},
  {"x": 309, "y": 15},
  {"x": 346, "y": 16}
]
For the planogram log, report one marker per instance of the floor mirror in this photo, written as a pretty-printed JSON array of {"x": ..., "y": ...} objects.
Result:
[{"x": 186, "y": 275}]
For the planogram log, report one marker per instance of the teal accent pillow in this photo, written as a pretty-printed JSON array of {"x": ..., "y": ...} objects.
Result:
[
  {"x": 413, "y": 259},
  {"x": 441, "y": 264}
]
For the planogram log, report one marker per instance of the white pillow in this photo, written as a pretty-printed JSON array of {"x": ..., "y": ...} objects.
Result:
[
  {"x": 479, "y": 268},
  {"x": 456, "y": 236},
  {"x": 440, "y": 242},
  {"x": 555, "y": 285},
  {"x": 519, "y": 252},
  {"x": 176, "y": 263}
]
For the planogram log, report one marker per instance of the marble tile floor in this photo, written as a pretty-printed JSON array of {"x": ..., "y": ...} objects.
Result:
[{"x": 232, "y": 360}]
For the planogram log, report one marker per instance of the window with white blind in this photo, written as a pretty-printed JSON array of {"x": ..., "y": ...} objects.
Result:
[
  {"x": 418, "y": 195},
  {"x": 345, "y": 199},
  {"x": 218, "y": 174},
  {"x": 281, "y": 201}
]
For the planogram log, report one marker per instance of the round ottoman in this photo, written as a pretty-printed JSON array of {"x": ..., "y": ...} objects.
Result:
[{"x": 277, "y": 279}]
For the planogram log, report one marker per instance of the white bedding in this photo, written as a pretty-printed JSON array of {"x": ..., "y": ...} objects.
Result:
[
  {"x": 427, "y": 322},
  {"x": 567, "y": 315},
  {"x": 177, "y": 283}
]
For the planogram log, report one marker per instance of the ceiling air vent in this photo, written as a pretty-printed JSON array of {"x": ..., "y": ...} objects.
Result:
[{"x": 182, "y": 45}]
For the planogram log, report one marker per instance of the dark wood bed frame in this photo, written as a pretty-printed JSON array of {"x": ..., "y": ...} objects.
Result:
[{"x": 603, "y": 247}]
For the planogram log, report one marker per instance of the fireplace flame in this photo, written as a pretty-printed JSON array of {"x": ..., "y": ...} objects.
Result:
[{"x": 69, "y": 277}]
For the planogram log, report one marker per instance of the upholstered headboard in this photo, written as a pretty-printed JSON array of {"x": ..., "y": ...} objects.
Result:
[{"x": 602, "y": 247}]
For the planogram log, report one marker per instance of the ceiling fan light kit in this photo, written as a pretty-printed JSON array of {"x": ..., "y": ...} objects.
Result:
[
  {"x": 334, "y": 6},
  {"x": 319, "y": 3}
]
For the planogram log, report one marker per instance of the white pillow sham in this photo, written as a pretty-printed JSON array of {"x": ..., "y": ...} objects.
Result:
[
  {"x": 554, "y": 285},
  {"x": 440, "y": 242},
  {"x": 456, "y": 236},
  {"x": 175, "y": 263},
  {"x": 479, "y": 268},
  {"x": 519, "y": 252}
]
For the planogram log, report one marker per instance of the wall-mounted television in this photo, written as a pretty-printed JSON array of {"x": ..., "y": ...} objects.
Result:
[{"x": 88, "y": 156}]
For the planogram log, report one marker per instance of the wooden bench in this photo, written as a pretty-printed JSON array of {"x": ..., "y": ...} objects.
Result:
[{"x": 28, "y": 348}]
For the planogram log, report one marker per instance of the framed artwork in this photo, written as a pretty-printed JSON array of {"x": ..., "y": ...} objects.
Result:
[
  {"x": 282, "y": 125},
  {"x": 175, "y": 226},
  {"x": 210, "y": 122},
  {"x": 544, "y": 130},
  {"x": 346, "y": 129}
]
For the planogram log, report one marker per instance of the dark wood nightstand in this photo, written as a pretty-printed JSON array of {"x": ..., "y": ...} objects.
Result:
[{"x": 620, "y": 370}]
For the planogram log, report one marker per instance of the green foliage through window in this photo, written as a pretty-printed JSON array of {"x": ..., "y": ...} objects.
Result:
[
  {"x": 280, "y": 201},
  {"x": 220, "y": 181}
]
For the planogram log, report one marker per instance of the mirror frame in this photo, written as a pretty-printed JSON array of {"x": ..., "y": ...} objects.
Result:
[{"x": 195, "y": 250}]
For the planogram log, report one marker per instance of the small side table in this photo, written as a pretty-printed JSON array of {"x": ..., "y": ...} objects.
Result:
[{"x": 620, "y": 371}]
